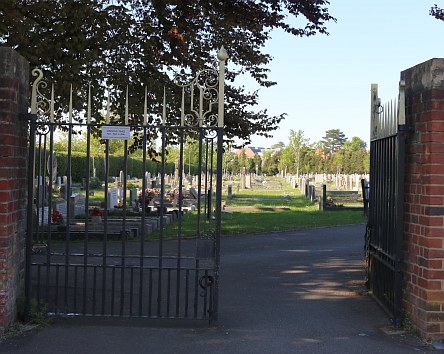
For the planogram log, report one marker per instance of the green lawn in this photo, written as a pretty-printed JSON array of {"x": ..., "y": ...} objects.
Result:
[{"x": 269, "y": 210}]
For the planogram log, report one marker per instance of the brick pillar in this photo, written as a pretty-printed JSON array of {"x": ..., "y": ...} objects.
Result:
[
  {"x": 424, "y": 212},
  {"x": 14, "y": 81}
]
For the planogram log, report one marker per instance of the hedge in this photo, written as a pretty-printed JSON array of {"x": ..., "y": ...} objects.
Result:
[{"x": 116, "y": 164}]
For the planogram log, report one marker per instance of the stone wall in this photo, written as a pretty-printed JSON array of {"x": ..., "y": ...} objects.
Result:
[
  {"x": 14, "y": 81},
  {"x": 424, "y": 208}
]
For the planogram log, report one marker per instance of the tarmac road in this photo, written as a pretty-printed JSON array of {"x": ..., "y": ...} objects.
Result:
[{"x": 289, "y": 292}]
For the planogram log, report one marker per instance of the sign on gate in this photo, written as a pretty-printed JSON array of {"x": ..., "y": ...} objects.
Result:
[{"x": 115, "y": 132}]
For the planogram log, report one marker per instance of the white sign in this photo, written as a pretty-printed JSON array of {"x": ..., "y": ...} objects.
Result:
[{"x": 115, "y": 132}]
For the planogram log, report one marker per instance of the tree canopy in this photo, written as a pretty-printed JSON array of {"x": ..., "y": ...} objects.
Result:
[
  {"x": 115, "y": 43},
  {"x": 333, "y": 140}
]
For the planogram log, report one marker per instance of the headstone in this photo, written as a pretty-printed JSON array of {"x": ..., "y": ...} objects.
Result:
[
  {"x": 194, "y": 193},
  {"x": 154, "y": 183},
  {"x": 61, "y": 208},
  {"x": 59, "y": 181},
  {"x": 134, "y": 192},
  {"x": 64, "y": 193},
  {"x": 113, "y": 199},
  {"x": 230, "y": 191},
  {"x": 121, "y": 176},
  {"x": 74, "y": 204},
  {"x": 52, "y": 169},
  {"x": 248, "y": 181}
]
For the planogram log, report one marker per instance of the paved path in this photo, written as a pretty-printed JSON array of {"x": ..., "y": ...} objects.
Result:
[{"x": 292, "y": 292}]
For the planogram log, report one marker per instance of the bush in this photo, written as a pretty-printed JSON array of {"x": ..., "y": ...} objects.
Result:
[
  {"x": 95, "y": 183},
  {"x": 116, "y": 164}
]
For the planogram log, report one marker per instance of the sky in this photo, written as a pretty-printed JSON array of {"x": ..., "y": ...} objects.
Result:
[{"x": 324, "y": 81}]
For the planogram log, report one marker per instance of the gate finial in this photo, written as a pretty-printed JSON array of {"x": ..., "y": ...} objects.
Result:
[{"x": 222, "y": 56}]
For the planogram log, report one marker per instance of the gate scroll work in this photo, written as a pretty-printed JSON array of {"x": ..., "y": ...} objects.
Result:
[
  {"x": 112, "y": 256},
  {"x": 384, "y": 233}
]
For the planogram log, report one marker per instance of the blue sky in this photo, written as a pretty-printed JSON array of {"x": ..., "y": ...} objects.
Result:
[{"x": 324, "y": 81}]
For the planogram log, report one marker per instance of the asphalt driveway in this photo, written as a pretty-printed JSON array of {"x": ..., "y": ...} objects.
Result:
[{"x": 289, "y": 292}]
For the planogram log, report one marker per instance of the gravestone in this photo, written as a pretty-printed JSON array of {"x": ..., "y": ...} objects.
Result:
[
  {"x": 147, "y": 178},
  {"x": 61, "y": 208},
  {"x": 64, "y": 193},
  {"x": 121, "y": 177},
  {"x": 75, "y": 207},
  {"x": 230, "y": 191},
  {"x": 113, "y": 198},
  {"x": 134, "y": 192},
  {"x": 193, "y": 193},
  {"x": 248, "y": 181}
]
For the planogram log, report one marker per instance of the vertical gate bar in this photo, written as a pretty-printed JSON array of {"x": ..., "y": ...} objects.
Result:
[
  {"x": 105, "y": 230},
  {"x": 401, "y": 143},
  {"x": 150, "y": 291},
  {"x": 38, "y": 191},
  {"x": 38, "y": 282},
  {"x": 29, "y": 213},
  {"x": 87, "y": 175},
  {"x": 205, "y": 295},
  {"x": 187, "y": 291},
  {"x": 43, "y": 186},
  {"x": 56, "y": 292},
  {"x": 162, "y": 194},
  {"x": 199, "y": 181},
  {"x": 218, "y": 226},
  {"x": 210, "y": 198},
  {"x": 124, "y": 235},
  {"x": 199, "y": 206},
  {"x": 75, "y": 288},
  {"x": 206, "y": 204},
  {"x": 142, "y": 227},
  {"x": 179, "y": 221},
  {"x": 68, "y": 213},
  {"x": 51, "y": 188},
  {"x": 168, "y": 292},
  {"x": 131, "y": 291},
  {"x": 113, "y": 289},
  {"x": 196, "y": 291},
  {"x": 94, "y": 289}
]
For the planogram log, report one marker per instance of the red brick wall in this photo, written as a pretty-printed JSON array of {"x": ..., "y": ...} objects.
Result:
[
  {"x": 14, "y": 81},
  {"x": 424, "y": 207}
]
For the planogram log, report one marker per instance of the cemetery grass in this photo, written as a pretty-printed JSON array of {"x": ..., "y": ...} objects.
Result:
[{"x": 264, "y": 211}]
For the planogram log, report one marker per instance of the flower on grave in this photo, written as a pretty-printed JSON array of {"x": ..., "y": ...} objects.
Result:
[
  {"x": 56, "y": 217},
  {"x": 119, "y": 205},
  {"x": 96, "y": 212},
  {"x": 172, "y": 195},
  {"x": 149, "y": 195}
]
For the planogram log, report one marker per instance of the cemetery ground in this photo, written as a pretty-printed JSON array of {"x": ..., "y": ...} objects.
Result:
[{"x": 269, "y": 205}]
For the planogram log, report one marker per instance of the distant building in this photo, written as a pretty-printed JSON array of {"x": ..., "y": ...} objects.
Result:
[{"x": 250, "y": 151}]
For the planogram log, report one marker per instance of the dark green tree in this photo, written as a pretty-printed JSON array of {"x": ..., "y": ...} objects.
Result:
[
  {"x": 333, "y": 140},
  {"x": 115, "y": 43}
]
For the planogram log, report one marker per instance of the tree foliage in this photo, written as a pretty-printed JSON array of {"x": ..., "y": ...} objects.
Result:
[
  {"x": 301, "y": 156},
  {"x": 333, "y": 140},
  {"x": 115, "y": 43}
]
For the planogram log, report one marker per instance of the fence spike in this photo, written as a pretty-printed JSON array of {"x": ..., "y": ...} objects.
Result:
[
  {"x": 51, "y": 112},
  {"x": 70, "y": 105},
  {"x": 126, "y": 106},
  {"x": 145, "y": 108}
]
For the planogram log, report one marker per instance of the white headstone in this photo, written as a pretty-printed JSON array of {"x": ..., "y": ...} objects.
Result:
[{"x": 113, "y": 198}]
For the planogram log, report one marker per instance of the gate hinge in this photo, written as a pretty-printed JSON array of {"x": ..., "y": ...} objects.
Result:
[{"x": 406, "y": 128}]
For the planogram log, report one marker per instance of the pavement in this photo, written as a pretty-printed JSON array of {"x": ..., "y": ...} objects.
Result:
[{"x": 288, "y": 292}]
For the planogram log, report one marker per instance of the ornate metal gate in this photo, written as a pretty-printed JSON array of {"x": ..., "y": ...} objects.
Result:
[
  {"x": 117, "y": 247},
  {"x": 385, "y": 224}
]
